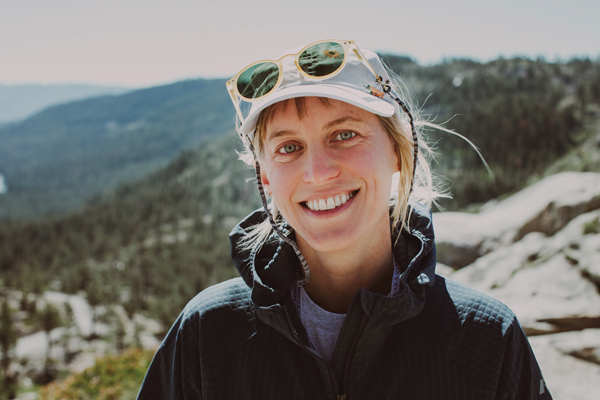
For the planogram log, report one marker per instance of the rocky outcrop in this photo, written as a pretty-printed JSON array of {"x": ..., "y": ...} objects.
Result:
[
  {"x": 544, "y": 207},
  {"x": 570, "y": 363},
  {"x": 75, "y": 347},
  {"x": 538, "y": 251}
]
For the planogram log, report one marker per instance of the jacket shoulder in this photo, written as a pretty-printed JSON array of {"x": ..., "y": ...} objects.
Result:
[
  {"x": 483, "y": 338},
  {"x": 472, "y": 306},
  {"x": 232, "y": 295},
  {"x": 208, "y": 334}
]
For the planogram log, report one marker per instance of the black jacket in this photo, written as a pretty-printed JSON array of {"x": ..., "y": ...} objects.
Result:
[{"x": 242, "y": 339}]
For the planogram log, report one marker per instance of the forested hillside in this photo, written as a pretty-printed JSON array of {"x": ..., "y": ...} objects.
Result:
[
  {"x": 56, "y": 160},
  {"x": 148, "y": 248},
  {"x": 521, "y": 113},
  {"x": 151, "y": 246}
]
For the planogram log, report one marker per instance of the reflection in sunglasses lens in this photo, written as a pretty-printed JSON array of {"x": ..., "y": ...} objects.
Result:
[
  {"x": 258, "y": 80},
  {"x": 322, "y": 59}
]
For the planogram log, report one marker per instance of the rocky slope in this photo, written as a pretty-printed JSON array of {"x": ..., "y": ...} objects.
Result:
[
  {"x": 538, "y": 251},
  {"x": 75, "y": 346}
]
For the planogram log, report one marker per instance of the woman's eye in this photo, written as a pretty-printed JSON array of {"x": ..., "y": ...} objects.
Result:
[
  {"x": 345, "y": 135},
  {"x": 288, "y": 148}
]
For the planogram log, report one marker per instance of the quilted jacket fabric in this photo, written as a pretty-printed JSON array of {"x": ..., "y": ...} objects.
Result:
[{"x": 242, "y": 339}]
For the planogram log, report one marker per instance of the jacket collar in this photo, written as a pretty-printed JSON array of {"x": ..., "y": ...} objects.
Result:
[{"x": 271, "y": 270}]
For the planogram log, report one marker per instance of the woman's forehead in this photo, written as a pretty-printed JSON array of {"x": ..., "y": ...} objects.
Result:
[
  {"x": 321, "y": 110},
  {"x": 303, "y": 107}
]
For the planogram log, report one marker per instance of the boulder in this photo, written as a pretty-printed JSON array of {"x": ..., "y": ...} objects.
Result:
[
  {"x": 546, "y": 207},
  {"x": 553, "y": 284},
  {"x": 72, "y": 348},
  {"x": 548, "y": 282}
]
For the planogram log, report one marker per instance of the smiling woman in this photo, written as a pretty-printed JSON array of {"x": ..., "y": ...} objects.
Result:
[
  {"x": 338, "y": 296},
  {"x": 334, "y": 152}
]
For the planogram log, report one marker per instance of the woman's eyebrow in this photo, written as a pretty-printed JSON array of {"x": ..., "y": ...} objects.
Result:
[
  {"x": 339, "y": 121},
  {"x": 327, "y": 126},
  {"x": 283, "y": 132}
]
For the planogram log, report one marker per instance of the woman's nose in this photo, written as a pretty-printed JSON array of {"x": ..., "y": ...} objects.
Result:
[{"x": 320, "y": 166}]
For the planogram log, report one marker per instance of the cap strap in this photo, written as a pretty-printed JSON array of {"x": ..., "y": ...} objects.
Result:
[
  {"x": 302, "y": 280},
  {"x": 388, "y": 89}
]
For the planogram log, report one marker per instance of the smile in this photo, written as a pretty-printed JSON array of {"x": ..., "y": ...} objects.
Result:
[{"x": 329, "y": 203}]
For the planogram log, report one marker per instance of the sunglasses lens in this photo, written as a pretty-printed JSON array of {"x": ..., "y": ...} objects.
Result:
[
  {"x": 258, "y": 80},
  {"x": 322, "y": 59}
]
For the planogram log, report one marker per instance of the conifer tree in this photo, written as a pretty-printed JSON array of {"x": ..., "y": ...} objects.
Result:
[
  {"x": 95, "y": 298},
  {"x": 50, "y": 319},
  {"x": 8, "y": 340}
]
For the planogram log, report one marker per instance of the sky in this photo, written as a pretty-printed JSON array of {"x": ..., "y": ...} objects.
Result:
[{"x": 141, "y": 43}]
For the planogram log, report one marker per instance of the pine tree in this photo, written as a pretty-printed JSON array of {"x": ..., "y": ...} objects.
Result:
[
  {"x": 8, "y": 340},
  {"x": 95, "y": 297},
  {"x": 50, "y": 319}
]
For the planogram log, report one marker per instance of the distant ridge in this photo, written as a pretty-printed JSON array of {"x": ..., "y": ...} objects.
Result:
[{"x": 18, "y": 102}]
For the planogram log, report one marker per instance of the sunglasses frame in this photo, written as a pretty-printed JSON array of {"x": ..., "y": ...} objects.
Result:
[{"x": 348, "y": 45}]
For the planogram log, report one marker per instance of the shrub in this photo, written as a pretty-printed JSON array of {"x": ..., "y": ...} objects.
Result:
[{"x": 111, "y": 378}]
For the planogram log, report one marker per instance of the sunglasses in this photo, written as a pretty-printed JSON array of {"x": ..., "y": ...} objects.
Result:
[{"x": 320, "y": 60}]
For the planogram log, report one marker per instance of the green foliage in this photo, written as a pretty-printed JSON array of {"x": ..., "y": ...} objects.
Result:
[
  {"x": 111, "y": 378},
  {"x": 592, "y": 227},
  {"x": 8, "y": 340},
  {"x": 50, "y": 318},
  {"x": 522, "y": 114},
  {"x": 8, "y": 335}
]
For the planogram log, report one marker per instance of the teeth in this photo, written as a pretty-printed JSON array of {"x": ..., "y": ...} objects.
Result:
[{"x": 328, "y": 204}]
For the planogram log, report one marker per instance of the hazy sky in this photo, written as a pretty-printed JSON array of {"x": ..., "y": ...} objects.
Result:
[{"x": 146, "y": 42}]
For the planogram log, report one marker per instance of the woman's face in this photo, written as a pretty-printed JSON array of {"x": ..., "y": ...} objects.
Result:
[{"x": 330, "y": 173}]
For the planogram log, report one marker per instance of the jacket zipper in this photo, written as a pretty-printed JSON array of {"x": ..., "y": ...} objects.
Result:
[
  {"x": 341, "y": 394},
  {"x": 334, "y": 380},
  {"x": 349, "y": 355}
]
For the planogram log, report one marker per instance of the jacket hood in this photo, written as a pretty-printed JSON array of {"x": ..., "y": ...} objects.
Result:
[{"x": 271, "y": 270}]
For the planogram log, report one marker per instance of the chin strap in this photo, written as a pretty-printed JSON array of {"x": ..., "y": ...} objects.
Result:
[
  {"x": 304, "y": 275},
  {"x": 387, "y": 88}
]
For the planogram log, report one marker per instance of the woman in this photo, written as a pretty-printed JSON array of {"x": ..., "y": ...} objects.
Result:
[{"x": 338, "y": 297}]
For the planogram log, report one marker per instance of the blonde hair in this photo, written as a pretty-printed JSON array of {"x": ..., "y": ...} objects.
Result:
[{"x": 424, "y": 189}]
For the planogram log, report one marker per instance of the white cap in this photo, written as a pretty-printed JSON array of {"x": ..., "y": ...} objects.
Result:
[{"x": 354, "y": 84}]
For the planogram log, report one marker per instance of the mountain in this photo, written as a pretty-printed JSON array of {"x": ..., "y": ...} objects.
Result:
[
  {"x": 523, "y": 115},
  {"x": 18, "y": 102},
  {"x": 58, "y": 159}
]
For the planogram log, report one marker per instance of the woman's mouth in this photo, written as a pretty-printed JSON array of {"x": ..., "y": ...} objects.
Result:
[{"x": 330, "y": 202}]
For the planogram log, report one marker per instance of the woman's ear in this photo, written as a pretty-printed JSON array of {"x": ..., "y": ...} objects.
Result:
[{"x": 265, "y": 180}]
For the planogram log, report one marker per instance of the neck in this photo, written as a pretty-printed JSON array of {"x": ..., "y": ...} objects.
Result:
[{"x": 336, "y": 276}]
